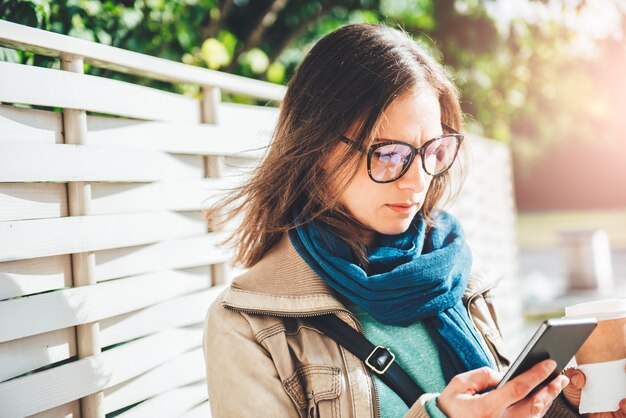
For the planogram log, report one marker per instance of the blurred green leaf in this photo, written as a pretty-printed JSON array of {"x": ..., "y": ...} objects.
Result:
[
  {"x": 214, "y": 53},
  {"x": 276, "y": 73},
  {"x": 256, "y": 60}
]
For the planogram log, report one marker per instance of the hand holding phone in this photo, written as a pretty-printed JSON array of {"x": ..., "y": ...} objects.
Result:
[
  {"x": 463, "y": 396},
  {"x": 553, "y": 345}
]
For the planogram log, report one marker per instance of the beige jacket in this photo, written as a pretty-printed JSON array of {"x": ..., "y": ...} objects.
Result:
[{"x": 262, "y": 360}]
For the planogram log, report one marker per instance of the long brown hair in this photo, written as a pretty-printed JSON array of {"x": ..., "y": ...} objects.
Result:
[{"x": 347, "y": 79}]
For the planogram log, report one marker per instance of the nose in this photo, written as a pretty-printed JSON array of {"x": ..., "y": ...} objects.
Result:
[{"x": 415, "y": 178}]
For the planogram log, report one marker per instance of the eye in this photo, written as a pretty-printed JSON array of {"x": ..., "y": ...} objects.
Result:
[
  {"x": 392, "y": 154},
  {"x": 439, "y": 148},
  {"x": 388, "y": 156}
]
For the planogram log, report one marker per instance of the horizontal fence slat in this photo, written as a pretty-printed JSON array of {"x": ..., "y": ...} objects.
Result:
[
  {"x": 19, "y": 201},
  {"x": 180, "y": 371},
  {"x": 30, "y": 85},
  {"x": 26, "y": 354},
  {"x": 41, "y": 391},
  {"x": 247, "y": 140},
  {"x": 57, "y": 45},
  {"x": 69, "y": 410},
  {"x": 66, "y": 308},
  {"x": 67, "y": 162},
  {"x": 183, "y": 311},
  {"x": 172, "y": 404},
  {"x": 172, "y": 254},
  {"x": 75, "y": 234},
  {"x": 260, "y": 117},
  {"x": 196, "y": 194},
  {"x": 30, "y": 125},
  {"x": 25, "y": 277}
]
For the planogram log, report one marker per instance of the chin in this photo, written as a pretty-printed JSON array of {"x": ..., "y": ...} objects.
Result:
[{"x": 394, "y": 229}]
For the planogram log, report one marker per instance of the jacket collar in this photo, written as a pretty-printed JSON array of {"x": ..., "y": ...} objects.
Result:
[{"x": 283, "y": 284}]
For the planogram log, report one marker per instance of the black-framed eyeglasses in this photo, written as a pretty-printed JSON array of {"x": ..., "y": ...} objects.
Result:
[{"x": 389, "y": 160}]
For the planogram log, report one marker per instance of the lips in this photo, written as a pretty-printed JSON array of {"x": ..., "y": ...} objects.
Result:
[{"x": 402, "y": 207}]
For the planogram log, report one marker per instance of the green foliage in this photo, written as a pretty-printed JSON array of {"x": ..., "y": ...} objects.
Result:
[
  {"x": 214, "y": 53},
  {"x": 519, "y": 79}
]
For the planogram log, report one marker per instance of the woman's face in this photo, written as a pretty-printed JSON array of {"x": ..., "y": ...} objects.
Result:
[{"x": 389, "y": 208}]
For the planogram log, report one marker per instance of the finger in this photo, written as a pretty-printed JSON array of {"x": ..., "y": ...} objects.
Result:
[
  {"x": 538, "y": 403},
  {"x": 572, "y": 395},
  {"x": 572, "y": 392},
  {"x": 475, "y": 381},
  {"x": 521, "y": 386},
  {"x": 576, "y": 377}
]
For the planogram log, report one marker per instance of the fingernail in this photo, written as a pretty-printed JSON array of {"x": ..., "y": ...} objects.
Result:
[{"x": 575, "y": 380}]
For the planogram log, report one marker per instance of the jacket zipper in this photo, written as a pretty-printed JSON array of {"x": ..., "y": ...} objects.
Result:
[
  {"x": 312, "y": 314},
  {"x": 375, "y": 389}
]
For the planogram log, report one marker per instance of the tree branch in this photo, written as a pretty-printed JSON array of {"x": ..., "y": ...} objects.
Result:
[
  {"x": 299, "y": 30},
  {"x": 210, "y": 29},
  {"x": 265, "y": 21}
]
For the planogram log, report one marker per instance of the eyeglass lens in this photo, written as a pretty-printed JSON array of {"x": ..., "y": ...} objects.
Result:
[{"x": 389, "y": 162}]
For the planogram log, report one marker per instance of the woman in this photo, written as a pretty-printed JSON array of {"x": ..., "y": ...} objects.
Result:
[{"x": 341, "y": 217}]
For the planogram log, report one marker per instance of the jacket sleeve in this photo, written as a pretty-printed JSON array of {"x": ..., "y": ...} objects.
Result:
[
  {"x": 241, "y": 378},
  {"x": 425, "y": 407},
  {"x": 560, "y": 408}
]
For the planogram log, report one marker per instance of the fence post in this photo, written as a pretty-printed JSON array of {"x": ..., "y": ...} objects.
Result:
[
  {"x": 83, "y": 264},
  {"x": 214, "y": 166}
]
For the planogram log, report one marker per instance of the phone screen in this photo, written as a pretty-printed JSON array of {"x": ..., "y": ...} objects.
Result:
[{"x": 556, "y": 339}]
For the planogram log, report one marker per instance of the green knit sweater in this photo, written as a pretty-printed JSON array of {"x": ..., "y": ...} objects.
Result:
[{"x": 415, "y": 351}]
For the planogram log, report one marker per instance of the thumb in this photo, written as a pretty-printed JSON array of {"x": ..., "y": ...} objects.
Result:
[
  {"x": 576, "y": 377},
  {"x": 573, "y": 390}
]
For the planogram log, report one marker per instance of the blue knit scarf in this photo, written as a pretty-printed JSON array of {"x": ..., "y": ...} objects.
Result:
[{"x": 412, "y": 276}]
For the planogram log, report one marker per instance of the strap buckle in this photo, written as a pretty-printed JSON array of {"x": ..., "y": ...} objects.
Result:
[{"x": 381, "y": 358}]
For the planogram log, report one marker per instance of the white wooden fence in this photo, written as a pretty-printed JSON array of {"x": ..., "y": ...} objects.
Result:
[{"x": 107, "y": 266}]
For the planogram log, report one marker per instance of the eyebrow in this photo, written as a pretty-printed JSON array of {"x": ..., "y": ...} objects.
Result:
[
  {"x": 381, "y": 139},
  {"x": 376, "y": 140},
  {"x": 443, "y": 125}
]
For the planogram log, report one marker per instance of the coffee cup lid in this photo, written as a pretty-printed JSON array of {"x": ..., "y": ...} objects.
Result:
[{"x": 601, "y": 309}]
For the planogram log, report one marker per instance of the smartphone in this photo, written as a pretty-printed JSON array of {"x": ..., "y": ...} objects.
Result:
[{"x": 556, "y": 339}]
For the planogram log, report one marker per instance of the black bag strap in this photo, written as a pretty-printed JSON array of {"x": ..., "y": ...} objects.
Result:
[{"x": 378, "y": 358}]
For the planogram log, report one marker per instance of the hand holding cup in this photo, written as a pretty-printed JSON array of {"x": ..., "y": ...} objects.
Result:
[
  {"x": 598, "y": 384},
  {"x": 573, "y": 390}
]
